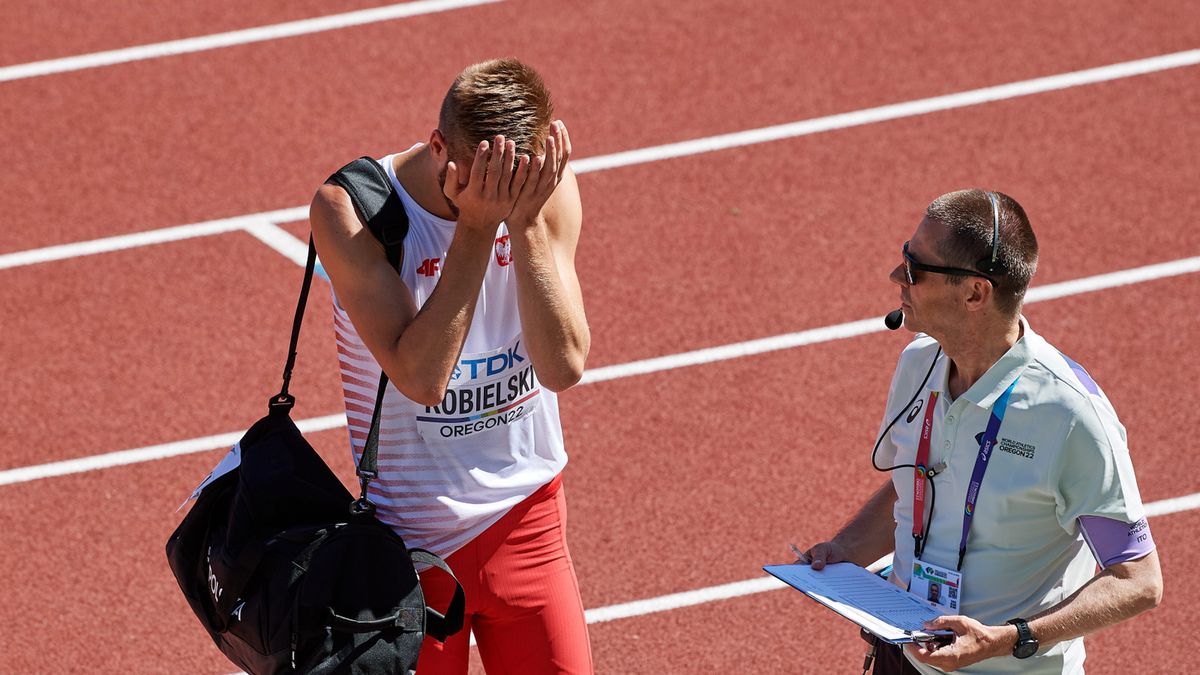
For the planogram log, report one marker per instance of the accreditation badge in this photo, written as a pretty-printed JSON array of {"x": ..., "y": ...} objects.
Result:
[{"x": 941, "y": 586}]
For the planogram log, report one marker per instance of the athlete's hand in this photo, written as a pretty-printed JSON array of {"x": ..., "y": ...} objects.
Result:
[
  {"x": 491, "y": 188},
  {"x": 540, "y": 177},
  {"x": 822, "y": 554}
]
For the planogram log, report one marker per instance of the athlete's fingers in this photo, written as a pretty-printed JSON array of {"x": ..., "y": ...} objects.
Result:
[
  {"x": 451, "y": 188},
  {"x": 565, "y": 142},
  {"x": 479, "y": 166},
  {"x": 492, "y": 184},
  {"x": 533, "y": 179},
  {"x": 549, "y": 174},
  {"x": 562, "y": 155},
  {"x": 506, "y": 169},
  {"x": 520, "y": 177}
]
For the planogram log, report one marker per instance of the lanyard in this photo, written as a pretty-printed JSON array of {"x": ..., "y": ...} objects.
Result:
[
  {"x": 981, "y": 464},
  {"x": 919, "y": 472},
  {"x": 986, "y": 445}
]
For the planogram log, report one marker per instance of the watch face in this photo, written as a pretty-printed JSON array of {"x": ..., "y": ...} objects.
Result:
[{"x": 1025, "y": 649}]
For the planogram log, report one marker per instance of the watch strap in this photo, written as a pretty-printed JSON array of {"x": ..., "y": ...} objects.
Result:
[{"x": 1026, "y": 645}]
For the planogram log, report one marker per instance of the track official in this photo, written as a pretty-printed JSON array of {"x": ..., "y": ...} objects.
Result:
[{"x": 1010, "y": 479}]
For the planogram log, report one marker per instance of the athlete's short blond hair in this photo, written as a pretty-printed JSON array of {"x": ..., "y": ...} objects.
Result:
[{"x": 502, "y": 96}]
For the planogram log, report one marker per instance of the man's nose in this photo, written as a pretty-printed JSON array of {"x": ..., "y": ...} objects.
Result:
[{"x": 897, "y": 276}]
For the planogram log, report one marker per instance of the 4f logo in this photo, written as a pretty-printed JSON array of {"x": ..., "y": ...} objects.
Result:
[
  {"x": 429, "y": 268},
  {"x": 503, "y": 251}
]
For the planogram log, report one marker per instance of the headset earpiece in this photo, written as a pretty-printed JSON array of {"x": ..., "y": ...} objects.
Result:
[{"x": 991, "y": 264}]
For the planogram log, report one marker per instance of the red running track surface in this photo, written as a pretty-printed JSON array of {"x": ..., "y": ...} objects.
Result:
[{"x": 705, "y": 471}]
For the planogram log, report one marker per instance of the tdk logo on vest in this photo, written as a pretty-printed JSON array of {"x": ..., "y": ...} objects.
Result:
[{"x": 491, "y": 365}]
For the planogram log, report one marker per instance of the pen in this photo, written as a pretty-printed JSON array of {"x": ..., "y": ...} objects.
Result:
[{"x": 799, "y": 554}]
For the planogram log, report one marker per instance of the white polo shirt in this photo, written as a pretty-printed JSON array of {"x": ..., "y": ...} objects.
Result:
[{"x": 1061, "y": 453}]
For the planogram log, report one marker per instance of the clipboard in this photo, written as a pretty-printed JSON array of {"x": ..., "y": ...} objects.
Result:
[{"x": 880, "y": 607}]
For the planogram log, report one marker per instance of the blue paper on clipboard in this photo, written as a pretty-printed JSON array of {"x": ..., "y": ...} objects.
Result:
[{"x": 883, "y": 608}]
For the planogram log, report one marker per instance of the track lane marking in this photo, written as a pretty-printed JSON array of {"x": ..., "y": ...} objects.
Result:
[
  {"x": 281, "y": 240},
  {"x": 894, "y": 111},
  {"x": 738, "y": 589},
  {"x": 673, "y": 150},
  {"x": 875, "y": 325},
  {"x": 148, "y": 237},
  {"x": 617, "y": 371},
  {"x": 152, "y": 452},
  {"x": 232, "y": 38}
]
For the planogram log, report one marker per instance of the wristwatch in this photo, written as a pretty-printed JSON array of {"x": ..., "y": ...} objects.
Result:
[{"x": 1027, "y": 645}]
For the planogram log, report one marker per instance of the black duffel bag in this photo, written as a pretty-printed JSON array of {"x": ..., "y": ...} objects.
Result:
[{"x": 285, "y": 569}]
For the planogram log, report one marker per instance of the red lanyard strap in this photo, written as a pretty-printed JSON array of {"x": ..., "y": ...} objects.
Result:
[{"x": 919, "y": 473}]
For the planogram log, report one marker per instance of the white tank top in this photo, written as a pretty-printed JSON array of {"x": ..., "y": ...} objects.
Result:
[{"x": 446, "y": 473}]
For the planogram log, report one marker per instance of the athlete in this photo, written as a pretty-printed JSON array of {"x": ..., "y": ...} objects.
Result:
[{"x": 479, "y": 328}]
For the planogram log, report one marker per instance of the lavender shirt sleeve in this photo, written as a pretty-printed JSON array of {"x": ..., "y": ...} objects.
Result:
[{"x": 1113, "y": 541}]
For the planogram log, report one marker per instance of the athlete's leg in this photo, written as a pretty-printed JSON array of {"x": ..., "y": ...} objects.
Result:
[{"x": 531, "y": 619}]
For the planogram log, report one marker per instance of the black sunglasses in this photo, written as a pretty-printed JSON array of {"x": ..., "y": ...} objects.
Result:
[{"x": 911, "y": 264}]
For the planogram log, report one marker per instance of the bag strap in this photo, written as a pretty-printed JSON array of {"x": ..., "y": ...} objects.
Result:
[
  {"x": 379, "y": 205},
  {"x": 437, "y": 625},
  {"x": 377, "y": 202},
  {"x": 283, "y": 401},
  {"x": 441, "y": 626}
]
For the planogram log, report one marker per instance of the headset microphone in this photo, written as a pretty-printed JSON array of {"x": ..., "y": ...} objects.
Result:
[{"x": 894, "y": 319}]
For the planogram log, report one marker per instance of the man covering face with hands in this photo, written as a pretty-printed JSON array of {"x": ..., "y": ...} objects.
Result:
[{"x": 478, "y": 329}]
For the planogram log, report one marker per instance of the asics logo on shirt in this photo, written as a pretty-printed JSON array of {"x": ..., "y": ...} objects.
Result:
[{"x": 916, "y": 410}]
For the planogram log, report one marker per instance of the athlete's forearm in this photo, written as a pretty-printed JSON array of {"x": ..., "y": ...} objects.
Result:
[
  {"x": 551, "y": 308},
  {"x": 425, "y": 354}
]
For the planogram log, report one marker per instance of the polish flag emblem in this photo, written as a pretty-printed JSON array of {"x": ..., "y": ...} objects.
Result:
[{"x": 503, "y": 251}]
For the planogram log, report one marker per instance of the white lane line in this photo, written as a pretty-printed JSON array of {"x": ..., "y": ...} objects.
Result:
[
  {"x": 1173, "y": 505},
  {"x": 698, "y": 596},
  {"x": 237, "y": 37},
  {"x": 613, "y": 372},
  {"x": 733, "y": 351},
  {"x": 124, "y": 241},
  {"x": 162, "y": 451},
  {"x": 281, "y": 240},
  {"x": 865, "y": 326},
  {"x": 891, "y": 112},
  {"x": 692, "y": 147},
  {"x": 759, "y": 585},
  {"x": 1113, "y": 279},
  {"x": 738, "y": 589}
]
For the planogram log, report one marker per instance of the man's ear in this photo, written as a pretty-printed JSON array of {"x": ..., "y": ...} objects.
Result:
[
  {"x": 978, "y": 293},
  {"x": 438, "y": 146}
]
